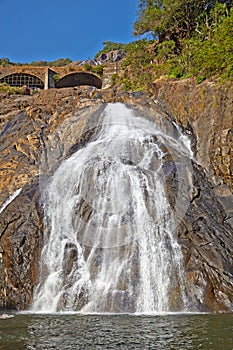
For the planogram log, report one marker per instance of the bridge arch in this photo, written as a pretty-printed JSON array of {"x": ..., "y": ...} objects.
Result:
[
  {"x": 78, "y": 79},
  {"x": 21, "y": 79}
]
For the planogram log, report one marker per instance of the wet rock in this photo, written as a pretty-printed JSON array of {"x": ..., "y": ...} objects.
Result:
[
  {"x": 21, "y": 232},
  {"x": 71, "y": 254},
  {"x": 207, "y": 108},
  {"x": 206, "y": 240}
]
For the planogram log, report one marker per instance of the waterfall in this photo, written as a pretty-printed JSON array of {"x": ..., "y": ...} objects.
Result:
[
  {"x": 10, "y": 199},
  {"x": 109, "y": 227}
]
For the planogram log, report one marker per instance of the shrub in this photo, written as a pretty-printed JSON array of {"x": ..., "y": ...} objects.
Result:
[
  {"x": 94, "y": 69},
  {"x": 200, "y": 79},
  {"x": 110, "y": 46},
  {"x": 11, "y": 90}
]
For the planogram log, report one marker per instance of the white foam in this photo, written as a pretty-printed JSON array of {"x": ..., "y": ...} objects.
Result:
[
  {"x": 109, "y": 199},
  {"x": 10, "y": 199}
]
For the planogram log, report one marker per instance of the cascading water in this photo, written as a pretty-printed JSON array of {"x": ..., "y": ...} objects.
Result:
[
  {"x": 10, "y": 199},
  {"x": 109, "y": 243}
]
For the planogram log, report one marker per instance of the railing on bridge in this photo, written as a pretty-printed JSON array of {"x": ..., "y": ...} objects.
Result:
[{"x": 22, "y": 79}]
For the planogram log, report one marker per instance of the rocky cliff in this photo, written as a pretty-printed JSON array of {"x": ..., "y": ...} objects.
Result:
[
  {"x": 206, "y": 111},
  {"x": 38, "y": 132}
]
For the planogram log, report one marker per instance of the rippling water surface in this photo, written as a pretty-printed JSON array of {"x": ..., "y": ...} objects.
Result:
[{"x": 75, "y": 331}]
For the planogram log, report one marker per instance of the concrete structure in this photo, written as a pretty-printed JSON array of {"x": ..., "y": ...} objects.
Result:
[
  {"x": 78, "y": 79},
  {"x": 46, "y": 78},
  {"x": 110, "y": 69}
]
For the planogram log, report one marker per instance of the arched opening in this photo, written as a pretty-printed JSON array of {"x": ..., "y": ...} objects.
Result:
[
  {"x": 78, "y": 79},
  {"x": 22, "y": 79}
]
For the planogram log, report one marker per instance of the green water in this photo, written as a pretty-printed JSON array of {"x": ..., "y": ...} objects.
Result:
[{"x": 74, "y": 331}]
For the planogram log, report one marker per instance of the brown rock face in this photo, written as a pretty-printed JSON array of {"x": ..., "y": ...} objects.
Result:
[
  {"x": 206, "y": 110},
  {"x": 31, "y": 143},
  {"x": 205, "y": 234},
  {"x": 112, "y": 56},
  {"x": 38, "y": 132},
  {"x": 21, "y": 230}
]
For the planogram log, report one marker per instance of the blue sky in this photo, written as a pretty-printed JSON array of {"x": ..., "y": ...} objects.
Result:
[{"x": 50, "y": 29}]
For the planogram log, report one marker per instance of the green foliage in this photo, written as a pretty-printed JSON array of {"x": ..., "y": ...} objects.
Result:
[
  {"x": 88, "y": 67},
  {"x": 110, "y": 46},
  {"x": 56, "y": 77},
  {"x": 60, "y": 62},
  {"x": 211, "y": 56},
  {"x": 165, "y": 50},
  {"x": 137, "y": 64},
  {"x": 179, "y": 19},
  {"x": 176, "y": 71},
  {"x": 200, "y": 79},
  {"x": 138, "y": 55},
  {"x": 94, "y": 69},
  {"x": 193, "y": 38},
  {"x": 4, "y": 62},
  {"x": 39, "y": 63},
  {"x": 98, "y": 69},
  {"x": 115, "y": 78},
  {"x": 10, "y": 90}
]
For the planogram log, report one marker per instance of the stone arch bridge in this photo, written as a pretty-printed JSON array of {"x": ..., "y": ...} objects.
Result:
[{"x": 59, "y": 77}]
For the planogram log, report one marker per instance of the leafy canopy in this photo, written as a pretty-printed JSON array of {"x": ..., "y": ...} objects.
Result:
[
  {"x": 175, "y": 19},
  {"x": 191, "y": 38}
]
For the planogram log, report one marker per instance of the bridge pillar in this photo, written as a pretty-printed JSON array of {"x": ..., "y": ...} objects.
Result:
[{"x": 49, "y": 80}]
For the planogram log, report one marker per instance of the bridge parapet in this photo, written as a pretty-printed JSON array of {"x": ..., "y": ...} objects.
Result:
[
  {"x": 47, "y": 77},
  {"x": 36, "y": 71}
]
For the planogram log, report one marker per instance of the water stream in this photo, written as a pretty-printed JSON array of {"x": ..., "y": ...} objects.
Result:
[
  {"x": 109, "y": 241},
  {"x": 10, "y": 199}
]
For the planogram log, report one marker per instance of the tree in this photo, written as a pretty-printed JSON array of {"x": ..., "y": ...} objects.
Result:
[
  {"x": 4, "y": 62},
  {"x": 174, "y": 19}
]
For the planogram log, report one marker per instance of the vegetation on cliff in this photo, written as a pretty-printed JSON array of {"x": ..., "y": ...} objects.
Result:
[
  {"x": 94, "y": 69},
  {"x": 60, "y": 62},
  {"x": 110, "y": 46},
  {"x": 187, "y": 38}
]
